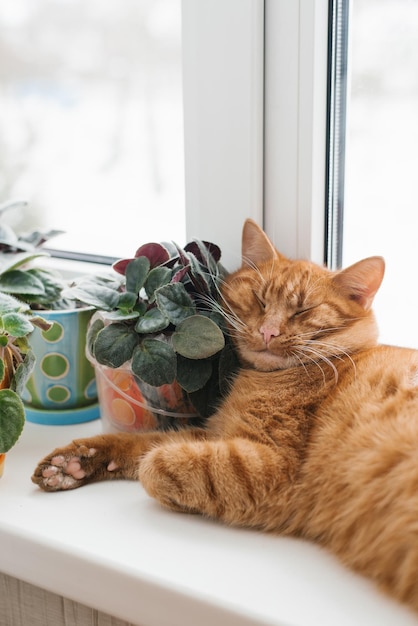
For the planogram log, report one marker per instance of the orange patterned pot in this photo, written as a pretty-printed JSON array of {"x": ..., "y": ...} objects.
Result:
[{"x": 127, "y": 404}]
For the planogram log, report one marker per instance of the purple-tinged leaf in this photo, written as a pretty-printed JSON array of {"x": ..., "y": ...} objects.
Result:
[
  {"x": 180, "y": 274},
  {"x": 155, "y": 253},
  {"x": 201, "y": 249},
  {"x": 121, "y": 265}
]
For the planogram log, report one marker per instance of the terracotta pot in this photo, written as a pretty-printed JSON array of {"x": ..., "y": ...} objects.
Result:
[{"x": 2, "y": 460}]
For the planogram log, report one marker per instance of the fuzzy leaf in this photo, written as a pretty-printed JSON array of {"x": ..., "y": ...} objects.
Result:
[
  {"x": 12, "y": 419},
  {"x": 152, "y": 322},
  {"x": 198, "y": 275},
  {"x": 127, "y": 300},
  {"x": 158, "y": 277},
  {"x": 17, "y": 324},
  {"x": 156, "y": 253},
  {"x": 20, "y": 282},
  {"x": 155, "y": 362},
  {"x": 9, "y": 303},
  {"x": 94, "y": 292},
  {"x": 115, "y": 344},
  {"x": 136, "y": 274},
  {"x": 193, "y": 374},
  {"x": 174, "y": 302},
  {"x": 197, "y": 337},
  {"x": 205, "y": 251},
  {"x": 53, "y": 286},
  {"x": 96, "y": 325},
  {"x": 23, "y": 372}
]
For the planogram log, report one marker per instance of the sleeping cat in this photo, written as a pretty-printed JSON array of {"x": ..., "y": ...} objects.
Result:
[{"x": 318, "y": 436}]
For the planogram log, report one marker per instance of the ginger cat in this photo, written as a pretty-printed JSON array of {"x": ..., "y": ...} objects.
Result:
[{"x": 318, "y": 436}]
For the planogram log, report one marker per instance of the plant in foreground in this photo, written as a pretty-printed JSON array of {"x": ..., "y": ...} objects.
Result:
[{"x": 164, "y": 318}]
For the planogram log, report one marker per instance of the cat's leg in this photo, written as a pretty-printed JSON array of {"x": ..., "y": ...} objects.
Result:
[
  {"x": 236, "y": 480},
  {"x": 103, "y": 457}
]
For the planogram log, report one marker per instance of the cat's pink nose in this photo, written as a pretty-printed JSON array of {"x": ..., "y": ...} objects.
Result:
[{"x": 268, "y": 332}]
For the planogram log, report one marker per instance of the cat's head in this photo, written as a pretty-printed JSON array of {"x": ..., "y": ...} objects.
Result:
[{"x": 284, "y": 313}]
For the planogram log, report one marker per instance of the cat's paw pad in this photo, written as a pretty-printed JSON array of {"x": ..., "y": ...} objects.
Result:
[{"x": 67, "y": 469}]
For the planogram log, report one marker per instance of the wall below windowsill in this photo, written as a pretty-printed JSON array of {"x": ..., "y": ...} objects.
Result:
[{"x": 110, "y": 547}]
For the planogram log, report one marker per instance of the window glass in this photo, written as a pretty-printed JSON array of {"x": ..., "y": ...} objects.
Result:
[
  {"x": 381, "y": 197},
  {"x": 91, "y": 129}
]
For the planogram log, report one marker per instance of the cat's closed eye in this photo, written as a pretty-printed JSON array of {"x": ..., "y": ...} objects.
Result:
[
  {"x": 259, "y": 300},
  {"x": 302, "y": 311}
]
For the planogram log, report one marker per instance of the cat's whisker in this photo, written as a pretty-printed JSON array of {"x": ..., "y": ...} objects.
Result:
[
  {"x": 254, "y": 267},
  {"x": 337, "y": 351},
  {"x": 314, "y": 361},
  {"x": 231, "y": 317},
  {"x": 309, "y": 349},
  {"x": 295, "y": 354}
]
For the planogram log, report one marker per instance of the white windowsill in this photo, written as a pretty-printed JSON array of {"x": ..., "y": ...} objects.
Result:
[{"x": 111, "y": 547}]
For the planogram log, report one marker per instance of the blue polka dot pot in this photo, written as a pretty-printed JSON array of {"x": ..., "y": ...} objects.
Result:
[{"x": 62, "y": 387}]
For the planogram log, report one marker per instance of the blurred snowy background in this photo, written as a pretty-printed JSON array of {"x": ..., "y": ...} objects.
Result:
[
  {"x": 91, "y": 124},
  {"x": 381, "y": 201}
]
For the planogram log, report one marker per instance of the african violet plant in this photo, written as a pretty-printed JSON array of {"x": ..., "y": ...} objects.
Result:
[
  {"x": 17, "y": 321},
  {"x": 165, "y": 319}
]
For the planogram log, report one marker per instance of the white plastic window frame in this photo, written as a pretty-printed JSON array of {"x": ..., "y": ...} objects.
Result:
[{"x": 255, "y": 98}]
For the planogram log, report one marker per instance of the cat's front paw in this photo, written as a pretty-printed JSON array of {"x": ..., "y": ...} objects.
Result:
[{"x": 73, "y": 466}]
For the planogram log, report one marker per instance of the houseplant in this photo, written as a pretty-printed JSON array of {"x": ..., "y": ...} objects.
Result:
[
  {"x": 17, "y": 321},
  {"x": 162, "y": 327},
  {"x": 61, "y": 388}
]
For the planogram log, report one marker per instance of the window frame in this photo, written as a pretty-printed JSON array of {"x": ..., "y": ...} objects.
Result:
[{"x": 255, "y": 102}]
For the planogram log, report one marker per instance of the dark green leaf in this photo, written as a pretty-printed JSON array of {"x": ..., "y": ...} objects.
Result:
[
  {"x": 175, "y": 303},
  {"x": 154, "y": 362},
  {"x": 12, "y": 419},
  {"x": 93, "y": 329},
  {"x": 136, "y": 274},
  {"x": 197, "y": 337},
  {"x": 20, "y": 282},
  {"x": 115, "y": 344},
  {"x": 152, "y": 322},
  {"x": 127, "y": 301},
  {"x": 158, "y": 277},
  {"x": 193, "y": 374},
  {"x": 53, "y": 286}
]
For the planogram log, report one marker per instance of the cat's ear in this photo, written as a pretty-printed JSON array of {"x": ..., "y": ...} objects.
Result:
[
  {"x": 256, "y": 246},
  {"x": 361, "y": 281}
]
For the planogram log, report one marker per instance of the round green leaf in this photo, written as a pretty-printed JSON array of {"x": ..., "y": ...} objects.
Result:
[
  {"x": 193, "y": 374},
  {"x": 174, "y": 302},
  {"x": 115, "y": 344},
  {"x": 136, "y": 273},
  {"x": 158, "y": 277},
  {"x": 152, "y": 322},
  {"x": 197, "y": 337},
  {"x": 155, "y": 362},
  {"x": 12, "y": 419}
]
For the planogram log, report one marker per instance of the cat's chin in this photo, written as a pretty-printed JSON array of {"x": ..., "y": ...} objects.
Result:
[{"x": 266, "y": 361}]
